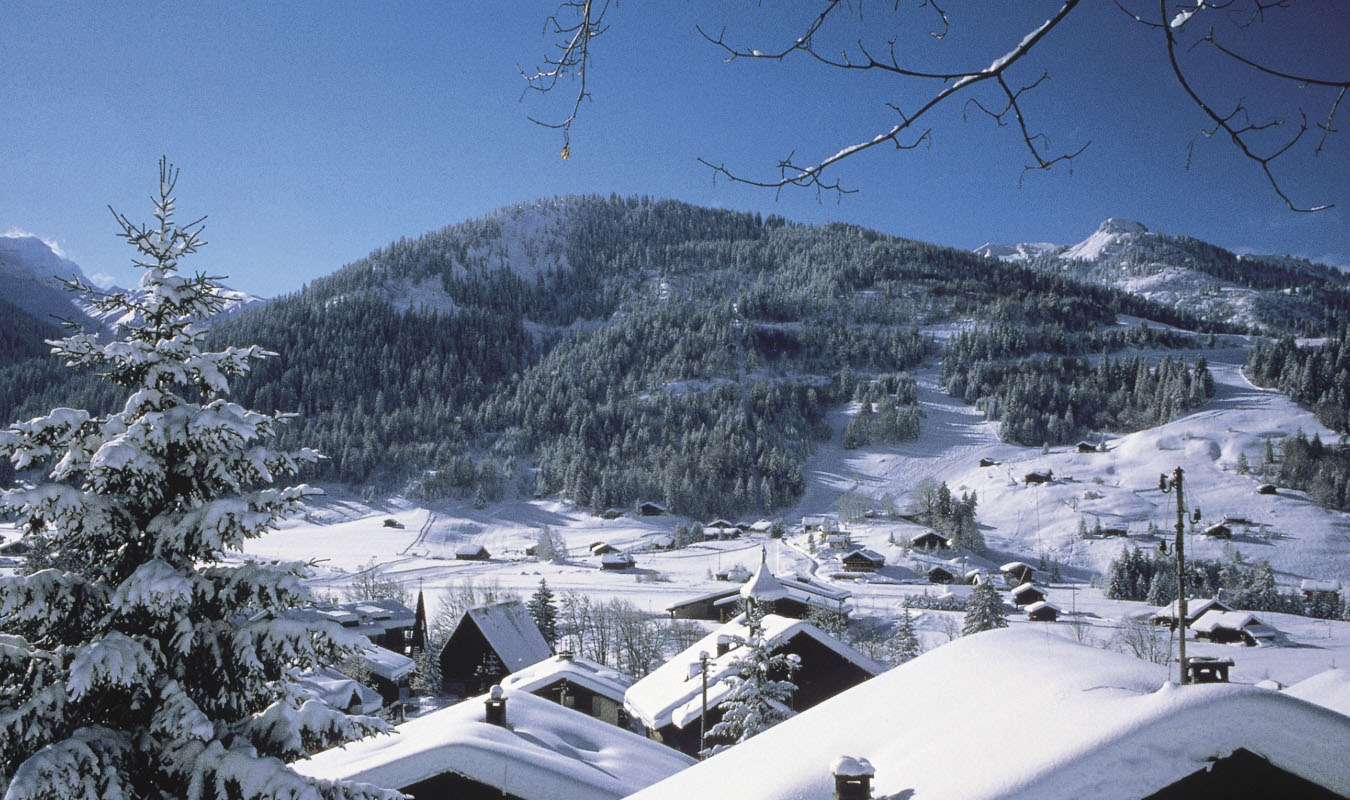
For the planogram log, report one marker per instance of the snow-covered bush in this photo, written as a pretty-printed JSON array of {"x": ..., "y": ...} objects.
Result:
[{"x": 141, "y": 665}]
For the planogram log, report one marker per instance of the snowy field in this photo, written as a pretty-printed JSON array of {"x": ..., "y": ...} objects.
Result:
[{"x": 1119, "y": 487}]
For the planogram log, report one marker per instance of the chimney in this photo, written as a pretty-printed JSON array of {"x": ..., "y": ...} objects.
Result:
[
  {"x": 723, "y": 644},
  {"x": 496, "y": 707},
  {"x": 852, "y": 778},
  {"x": 565, "y": 654}
]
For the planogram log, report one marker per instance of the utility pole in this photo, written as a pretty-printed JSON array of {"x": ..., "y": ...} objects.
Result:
[
  {"x": 1175, "y": 485},
  {"x": 703, "y": 713}
]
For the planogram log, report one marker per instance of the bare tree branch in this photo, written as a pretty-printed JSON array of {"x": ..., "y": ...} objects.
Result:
[{"x": 574, "y": 59}]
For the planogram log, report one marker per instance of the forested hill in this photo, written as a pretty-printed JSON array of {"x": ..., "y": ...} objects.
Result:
[{"x": 617, "y": 349}]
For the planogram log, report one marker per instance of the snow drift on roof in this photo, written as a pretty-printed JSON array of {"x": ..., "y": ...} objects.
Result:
[
  {"x": 545, "y": 752},
  {"x": 582, "y": 671},
  {"x": 1330, "y": 689},
  {"x": 1090, "y": 723}
]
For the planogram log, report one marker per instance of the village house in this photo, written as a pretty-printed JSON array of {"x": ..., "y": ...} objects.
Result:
[
  {"x": 668, "y": 701},
  {"x": 1315, "y": 591},
  {"x": 511, "y": 745},
  {"x": 1218, "y": 531},
  {"x": 1039, "y": 477},
  {"x": 1042, "y": 611},
  {"x": 337, "y": 690},
  {"x": 1026, "y": 594},
  {"x": 928, "y": 540},
  {"x": 939, "y": 574},
  {"x": 576, "y": 682},
  {"x": 488, "y": 643},
  {"x": 1089, "y": 723},
  {"x": 862, "y": 560},
  {"x": 617, "y": 560},
  {"x": 471, "y": 552},
  {"x": 1227, "y": 627},
  {"x": 650, "y": 509},
  {"x": 1167, "y": 615},
  {"x": 1017, "y": 572},
  {"x": 800, "y": 594}
]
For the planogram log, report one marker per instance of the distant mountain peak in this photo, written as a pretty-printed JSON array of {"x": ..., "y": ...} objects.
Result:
[
  {"x": 1107, "y": 236},
  {"x": 1121, "y": 225}
]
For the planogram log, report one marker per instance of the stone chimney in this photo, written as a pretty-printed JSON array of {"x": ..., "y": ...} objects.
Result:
[
  {"x": 496, "y": 707},
  {"x": 852, "y": 778}
]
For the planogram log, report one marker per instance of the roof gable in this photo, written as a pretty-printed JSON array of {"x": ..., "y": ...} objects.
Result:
[{"x": 510, "y": 631}]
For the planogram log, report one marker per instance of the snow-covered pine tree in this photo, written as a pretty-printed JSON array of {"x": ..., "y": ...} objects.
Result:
[
  {"x": 761, "y": 693},
  {"x": 905, "y": 644},
  {"x": 145, "y": 667},
  {"x": 984, "y": 610},
  {"x": 544, "y": 612}
]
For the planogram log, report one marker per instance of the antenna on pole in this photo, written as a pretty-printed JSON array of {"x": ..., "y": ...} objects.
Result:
[{"x": 1174, "y": 484}]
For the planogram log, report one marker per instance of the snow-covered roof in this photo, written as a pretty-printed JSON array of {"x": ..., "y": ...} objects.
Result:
[
  {"x": 673, "y": 692},
  {"x": 1310, "y": 585},
  {"x": 760, "y": 526},
  {"x": 1012, "y": 566},
  {"x": 510, "y": 630},
  {"x": 338, "y": 690},
  {"x": 386, "y": 663},
  {"x": 545, "y": 752},
  {"x": 1330, "y": 689},
  {"x": 1023, "y": 588},
  {"x": 1091, "y": 723},
  {"x": 582, "y": 671},
  {"x": 1194, "y": 608},
  {"x": 763, "y": 585},
  {"x": 470, "y": 550},
  {"x": 1215, "y": 619},
  {"x": 1039, "y": 604},
  {"x": 617, "y": 558},
  {"x": 870, "y": 555}
]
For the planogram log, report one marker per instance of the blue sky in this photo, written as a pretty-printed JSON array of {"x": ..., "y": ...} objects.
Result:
[{"x": 314, "y": 133}]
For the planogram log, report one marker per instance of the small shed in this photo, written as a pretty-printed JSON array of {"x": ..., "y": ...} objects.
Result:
[
  {"x": 988, "y": 462},
  {"x": 1218, "y": 531},
  {"x": 1115, "y": 532},
  {"x": 862, "y": 560},
  {"x": 974, "y": 577},
  {"x": 941, "y": 575},
  {"x": 600, "y": 548},
  {"x": 1039, "y": 477},
  {"x": 1320, "y": 591},
  {"x": 650, "y": 509},
  {"x": 928, "y": 540},
  {"x": 1086, "y": 447},
  {"x": 1041, "y": 611},
  {"x": 1267, "y": 488},
  {"x": 611, "y": 513},
  {"x": 471, "y": 552},
  {"x": 617, "y": 560},
  {"x": 1027, "y": 593},
  {"x": 1018, "y": 571}
]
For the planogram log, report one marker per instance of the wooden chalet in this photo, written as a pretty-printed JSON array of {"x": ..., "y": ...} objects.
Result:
[
  {"x": 386, "y": 622},
  {"x": 722, "y": 529},
  {"x": 600, "y": 548},
  {"x": 1195, "y": 606},
  {"x": 794, "y": 596},
  {"x": 668, "y": 704},
  {"x": 1115, "y": 532},
  {"x": 1041, "y": 611},
  {"x": 611, "y": 513},
  {"x": 1320, "y": 591},
  {"x": 488, "y": 643},
  {"x": 1038, "y": 477},
  {"x": 1218, "y": 531},
  {"x": 1018, "y": 572},
  {"x": 988, "y": 462},
  {"x": 650, "y": 509},
  {"x": 1228, "y": 627},
  {"x": 390, "y": 672},
  {"x": 471, "y": 552},
  {"x": 1086, "y": 447},
  {"x": 578, "y": 683},
  {"x": 862, "y": 560},
  {"x": 942, "y": 575},
  {"x": 1026, "y": 594},
  {"x": 928, "y": 540},
  {"x": 974, "y": 577},
  {"x": 1267, "y": 488},
  {"x": 617, "y": 560}
]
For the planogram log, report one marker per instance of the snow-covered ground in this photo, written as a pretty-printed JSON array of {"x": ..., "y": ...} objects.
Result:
[{"x": 1118, "y": 487}]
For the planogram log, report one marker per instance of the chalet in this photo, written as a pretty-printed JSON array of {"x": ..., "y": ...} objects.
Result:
[
  {"x": 611, "y": 513},
  {"x": 974, "y": 577},
  {"x": 392, "y": 523},
  {"x": 1267, "y": 488},
  {"x": 722, "y": 529},
  {"x": 760, "y": 526},
  {"x": 512, "y": 745},
  {"x": 1090, "y": 724},
  {"x": 668, "y": 701},
  {"x": 1026, "y": 594},
  {"x": 941, "y": 575},
  {"x": 617, "y": 560},
  {"x": 339, "y": 691},
  {"x": 928, "y": 540},
  {"x": 1039, "y": 477},
  {"x": 1017, "y": 571},
  {"x": 661, "y": 541},
  {"x": 1320, "y": 591},
  {"x": 488, "y": 643},
  {"x": 862, "y": 560},
  {"x": 819, "y": 524},
  {"x": 386, "y": 622},
  {"x": 1086, "y": 447},
  {"x": 578, "y": 683},
  {"x": 1041, "y": 611},
  {"x": 650, "y": 509},
  {"x": 988, "y": 462},
  {"x": 471, "y": 552},
  {"x": 1226, "y": 627},
  {"x": 1167, "y": 615},
  {"x": 1228, "y": 519},
  {"x": 1218, "y": 531},
  {"x": 1115, "y": 532},
  {"x": 600, "y": 548},
  {"x": 390, "y": 672},
  {"x": 838, "y": 540},
  {"x": 800, "y": 595}
]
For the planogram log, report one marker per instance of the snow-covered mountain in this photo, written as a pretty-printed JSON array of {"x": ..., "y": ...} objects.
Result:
[
  {"x": 31, "y": 275},
  {"x": 1256, "y": 291},
  {"x": 30, "y": 278}
]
